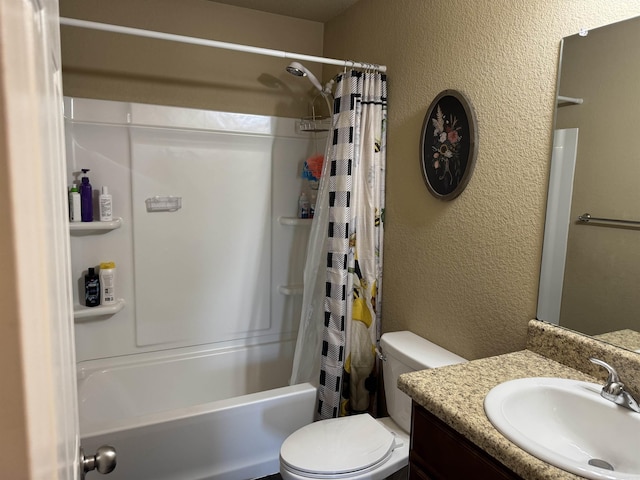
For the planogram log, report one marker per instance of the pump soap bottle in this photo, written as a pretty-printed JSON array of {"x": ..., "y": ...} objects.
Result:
[{"x": 86, "y": 198}]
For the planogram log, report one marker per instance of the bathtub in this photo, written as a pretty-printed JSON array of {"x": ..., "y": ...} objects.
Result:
[{"x": 220, "y": 414}]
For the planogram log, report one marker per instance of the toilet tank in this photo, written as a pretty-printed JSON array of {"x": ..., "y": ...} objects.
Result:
[{"x": 407, "y": 352}]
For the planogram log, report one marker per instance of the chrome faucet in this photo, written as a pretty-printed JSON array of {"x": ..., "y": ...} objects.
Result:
[{"x": 614, "y": 390}]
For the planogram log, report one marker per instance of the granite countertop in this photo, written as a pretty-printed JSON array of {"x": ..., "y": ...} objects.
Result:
[
  {"x": 626, "y": 338},
  {"x": 456, "y": 393}
]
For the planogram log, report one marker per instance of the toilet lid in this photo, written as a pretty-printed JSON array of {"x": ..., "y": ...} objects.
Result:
[{"x": 337, "y": 445}]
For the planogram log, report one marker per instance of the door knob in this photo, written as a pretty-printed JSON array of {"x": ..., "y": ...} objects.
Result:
[{"x": 104, "y": 461}]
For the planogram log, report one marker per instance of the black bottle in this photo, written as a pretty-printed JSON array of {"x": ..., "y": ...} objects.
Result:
[{"x": 91, "y": 288}]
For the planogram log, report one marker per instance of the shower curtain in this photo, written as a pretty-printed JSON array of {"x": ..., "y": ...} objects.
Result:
[{"x": 344, "y": 260}]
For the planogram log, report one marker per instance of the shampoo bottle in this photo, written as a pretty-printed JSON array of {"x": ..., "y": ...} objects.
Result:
[
  {"x": 107, "y": 283},
  {"x": 91, "y": 288},
  {"x": 86, "y": 198},
  {"x": 106, "y": 205},
  {"x": 74, "y": 204}
]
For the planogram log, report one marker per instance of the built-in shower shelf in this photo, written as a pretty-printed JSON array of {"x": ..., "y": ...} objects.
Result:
[
  {"x": 295, "y": 221},
  {"x": 294, "y": 289},
  {"x": 80, "y": 311},
  {"x": 95, "y": 226}
]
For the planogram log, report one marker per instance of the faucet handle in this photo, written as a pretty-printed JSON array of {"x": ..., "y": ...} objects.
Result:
[
  {"x": 614, "y": 389},
  {"x": 613, "y": 375}
]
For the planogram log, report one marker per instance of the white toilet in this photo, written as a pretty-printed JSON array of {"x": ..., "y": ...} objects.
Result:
[{"x": 360, "y": 447}]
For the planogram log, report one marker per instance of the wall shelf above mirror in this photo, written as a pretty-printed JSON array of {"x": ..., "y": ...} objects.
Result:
[
  {"x": 589, "y": 276},
  {"x": 561, "y": 100}
]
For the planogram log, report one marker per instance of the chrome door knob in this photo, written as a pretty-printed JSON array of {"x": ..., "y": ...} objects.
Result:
[{"x": 104, "y": 461}]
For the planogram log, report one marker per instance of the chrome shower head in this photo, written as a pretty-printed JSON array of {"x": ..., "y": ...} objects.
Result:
[{"x": 300, "y": 70}]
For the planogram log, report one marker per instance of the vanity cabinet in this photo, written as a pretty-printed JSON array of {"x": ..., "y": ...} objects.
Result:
[{"x": 438, "y": 452}]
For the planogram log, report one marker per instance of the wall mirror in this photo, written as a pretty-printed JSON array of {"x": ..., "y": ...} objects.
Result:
[{"x": 590, "y": 276}]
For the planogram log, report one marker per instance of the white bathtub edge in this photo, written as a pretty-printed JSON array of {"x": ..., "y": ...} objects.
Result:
[
  {"x": 203, "y": 409},
  {"x": 232, "y": 440}
]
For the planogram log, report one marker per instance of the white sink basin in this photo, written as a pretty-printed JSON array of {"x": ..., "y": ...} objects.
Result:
[{"x": 568, "y": 424}]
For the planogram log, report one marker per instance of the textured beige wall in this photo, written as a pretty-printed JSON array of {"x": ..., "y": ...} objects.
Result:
[
  {"x": 462, "y": 273},
  {"x": 465, "y": 273},
  {"x": 600, "y": 291},
  {"x": 122, "y": 67}
]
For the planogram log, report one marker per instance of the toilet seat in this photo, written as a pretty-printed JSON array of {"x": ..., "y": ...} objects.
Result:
[{"x": 338, "y": 447}]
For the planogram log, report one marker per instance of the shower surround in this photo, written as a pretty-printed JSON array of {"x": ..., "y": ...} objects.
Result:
[{"x": 211, "y": 290}]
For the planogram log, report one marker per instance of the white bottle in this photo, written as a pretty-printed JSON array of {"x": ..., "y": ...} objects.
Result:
[
  {"x": 303, "y": 206},
  {"x": 107, "y": 283},
  {"x": 106, "y": 205},
  {"x": 75, "y": 205}
]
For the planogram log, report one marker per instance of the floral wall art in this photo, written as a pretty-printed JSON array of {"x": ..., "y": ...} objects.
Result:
[{"x": 448, "y": 145}]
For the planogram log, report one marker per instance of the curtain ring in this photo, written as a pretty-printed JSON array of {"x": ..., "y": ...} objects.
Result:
[{"x": 351, "y": 65}]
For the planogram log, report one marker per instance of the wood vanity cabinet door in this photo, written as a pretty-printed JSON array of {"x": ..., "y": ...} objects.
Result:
[{"x": 438, "y": 452}]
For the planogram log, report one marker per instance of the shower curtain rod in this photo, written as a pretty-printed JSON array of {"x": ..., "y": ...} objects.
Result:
[{"x": 72, "y": 22}]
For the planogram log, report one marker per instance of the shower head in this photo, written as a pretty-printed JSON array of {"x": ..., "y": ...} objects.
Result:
[
  {"x": 300, "y": 70},
  {"x": 294, "y": 68}
]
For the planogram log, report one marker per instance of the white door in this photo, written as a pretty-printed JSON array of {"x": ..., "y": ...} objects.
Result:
[{"x": 39, "y": 414}]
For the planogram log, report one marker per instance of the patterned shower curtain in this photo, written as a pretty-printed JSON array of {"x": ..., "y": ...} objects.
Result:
[{"x": 348, "y": 371}]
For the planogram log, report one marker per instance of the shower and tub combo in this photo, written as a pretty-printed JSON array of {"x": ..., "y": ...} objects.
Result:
[
  {"x": 190, "y": 379},
  {"x": 193, "y": 384}
]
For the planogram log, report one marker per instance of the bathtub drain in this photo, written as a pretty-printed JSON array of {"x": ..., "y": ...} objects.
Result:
[{"x": 596, "y": 462}]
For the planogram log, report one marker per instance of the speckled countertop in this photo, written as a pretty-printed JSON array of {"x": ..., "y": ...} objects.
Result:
[
  {"x": 623, "y": 338},
  {"x": 456, "y": 393}
]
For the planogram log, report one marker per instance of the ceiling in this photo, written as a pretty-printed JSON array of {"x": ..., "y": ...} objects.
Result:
[{"x": 316, "y": 10}]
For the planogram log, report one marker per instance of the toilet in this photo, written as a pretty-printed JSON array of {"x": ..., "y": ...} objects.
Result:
[{"x": 360, "y": 447}]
